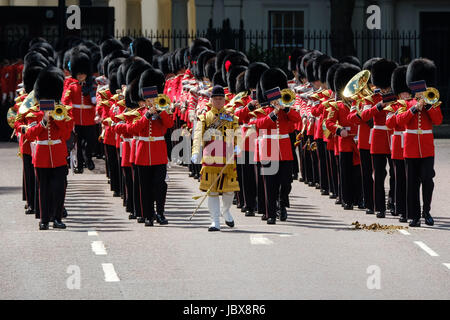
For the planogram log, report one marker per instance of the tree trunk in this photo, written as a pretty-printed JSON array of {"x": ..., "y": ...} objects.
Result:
[{"x": 341, "y": 28}]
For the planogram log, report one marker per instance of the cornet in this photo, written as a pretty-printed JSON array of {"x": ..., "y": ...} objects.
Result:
[
  {"x": 61, "y": 113},
  {"x": 287, "y": 97},
  {"x": 162, "y": 102}
]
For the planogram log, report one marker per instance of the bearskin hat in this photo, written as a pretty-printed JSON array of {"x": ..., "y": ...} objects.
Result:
[
  {"x": 44, "y": 48},
  {"x": 80, "y": 63},
  {"x": 123, "y": 70},
  {"x": 199, "y": 42},
  {"x": 304, "y": 62},
  {"x": 142, "y": 47},
  {"x": 260, "y": 96},
  {"x": 152, "y": 77},
  {"x": 382, "y": 73},
  {"x": 35, "y": 59},
  {"x": 210, "y": 69},
  {"x": 398, "y": 80},
  {"x": 163, "y": 63},
  {"x": 352, "y": 60},
  {"x": 220, "y": 56},
  {"x": 129, "y": 102},
  {"x": 203, "y": 58},
  {"x": 179, "y": 58},
  {"x": 274, "y": 77},
  {"x": 112, "y": 56},
  {"x": 217, "y": 80},
  {"x": 369, "y": 63},
  {"x": 113, "y": 66},
  {"x": 113, "y": 82},
  {"x": 330, "y": 76},
  {"x": 232, "y": 60},
  {"x": 232, "y": 77},
  {"x": 343, "y": 74},
  {"x": 421, "y": 69},
  {"x": 30, "y": 74},
  {"x": 109, "y": 46},
  {"x": 295, "y": 54},
  {"x": 240, "y": 83},
  {"x": 136, "y": 69},
  {"x": 195, "y": 53},
  {"x": 253, "y": 74},
  {"x": 133, "y": 91},
  {"x": 126, "y": 41},
  {"x": 323, "y": 68},
  {"x": 49, "y": 84}
]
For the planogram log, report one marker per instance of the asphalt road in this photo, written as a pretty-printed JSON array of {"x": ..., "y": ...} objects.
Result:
[{"x": 315, "y": 254}]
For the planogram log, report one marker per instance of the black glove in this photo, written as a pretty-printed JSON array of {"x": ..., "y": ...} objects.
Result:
[
  {"x": 379, "y": 106},
  {"x": 251, "y": 106}
]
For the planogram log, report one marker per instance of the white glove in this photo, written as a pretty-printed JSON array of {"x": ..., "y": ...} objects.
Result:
[
  {"x": 4, "y": 97},
  {"x": 237, "y": 150},
  {"x": 94, "y": 100},
  {"x": 194, "y": 158}
]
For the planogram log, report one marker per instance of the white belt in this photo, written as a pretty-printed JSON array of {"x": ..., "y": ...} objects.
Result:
[
  {"x": 151, "y": 138},
  {"x": 80, "y": 106},
  {"x": 398, "y": 133},
  {"x": 276, "y": 136},
  {"x": 347, "y": 128},
  {"x": 245, "y": 125},
  {"x": 419, "y": 131},
  {"x": 381, "y": 128},
  {"x": 48, "y": 142},
  {"x": 129, "y": 140},
  {"x": 135, "y": 138}
]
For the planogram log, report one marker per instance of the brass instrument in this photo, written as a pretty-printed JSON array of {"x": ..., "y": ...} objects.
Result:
[
  {"x": 11, "y": 117},
  {"x": 357, "y": 88},
  {"x": 288, "y": 97},
  {"x": 431, "y": 95},
  {"x": 61, "y": 113},
  {"x": 162, "y": 103}
]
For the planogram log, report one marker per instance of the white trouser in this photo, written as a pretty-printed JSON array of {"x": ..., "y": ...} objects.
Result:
[{"x": 214, "y": 207}]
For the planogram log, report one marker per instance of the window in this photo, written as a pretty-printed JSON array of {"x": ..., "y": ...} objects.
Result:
[{"x": 286, "y": 28}]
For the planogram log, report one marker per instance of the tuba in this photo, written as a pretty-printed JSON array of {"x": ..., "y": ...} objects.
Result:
[
  {"x": 162, "y": 102},
  {"x": 287, "y": 97},
  {"x": 357, "y": 88}
]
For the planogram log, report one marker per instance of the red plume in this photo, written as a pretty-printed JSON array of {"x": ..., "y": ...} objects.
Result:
[
  {"x": 227, "y": 65},
  {"x": 289, "y": 58}
]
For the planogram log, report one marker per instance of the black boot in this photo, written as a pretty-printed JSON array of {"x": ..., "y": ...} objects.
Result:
[
  {"x": 58, "y": 225},
  {"x": 29, "y": 211},
  {"x": 381, "y": 214},
  {"x": 43, "y": 226},
  {"x": 428, "y": 219},
  {"x": 250, "y": 213},
  {"x": 415, "y": 223},
  {"x": 283, "y": 214},
  {"x": 161, "y": 219}
]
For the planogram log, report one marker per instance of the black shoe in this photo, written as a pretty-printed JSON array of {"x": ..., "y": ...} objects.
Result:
[
  {"x": 64, "y": 215},
  {"x": 348, "y": 207},
  {"x": 311, "y": 184},
  {"x": 37, "y": 215},
  {"x": 191, "y": 175},
  {"x": 197, "y": 177},
  {"x": 338, "y": 201},
  {"x": 58, "y": 225},
  {"x": 161, "y": 219},
  {"x": 249, "y": 213},
  {"x": 109, "y": 181},
  {"x": 283, "y": 214},
  {"x": 271, "y": 221},
  {"x": 403, "y": 220},
  {"x": 149, "y": 222},
  {"x": 294, "y": 176},
  {"x": 361, "y": 206},
  {"x": 381, "y": 214},
  {"x": 90, "y": 165},
  {"x": 264, "y": 217},
  {"x": 43, "y": 226},
  {"x": 239, "y": 206},
  {"x": 243, "y": 209},
  {"x": 415, "y": 223},
  {"x": 78, "y": 170},
  {"x": 234, "y": 201},
  {"x": 230, "y": 224},
  {"x": 370, "y": 211},
  {"x": 428, "y": 219},
  {"x": 333, "y": 196},
  {"x": 140, "y": 220},
  {"x": 210, "y": 229},
  {"x": 317, "y": 186},
  {"x": 29, "y": 211},
  {"x": 116, "y": 194},
  {"x": 301, "y": 179},
  {"x": 324, "y": 192},
  {"x": 131, "y": 216}
]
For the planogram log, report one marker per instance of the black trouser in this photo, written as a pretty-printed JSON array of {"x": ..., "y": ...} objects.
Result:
[
  {"x": 400, "y": 187},
  {"x": 295, "y": 168},
  {"x": 240, "y": 194},
  {"x": 419, "y": 171},
  {"x": 249, "y": 181},
  {"x": 119, "y": 171},
  {"x": 379, "y": 173},
  {"x": 391, "y": 194},
  {"x": 301, "y": 156},
  {"x": 153, "y": 189},
  {"x": 98, "y": 145},
  {"x": 112, "y": 168},
  {"x": 86, "y": 141},
  {"x": 128, "y": 196},
  {"x": 277, "y": 187},
  {"x": 339, "y": 176},
  {"x": 29, "y": 180},
  {"x": 347, "y": 177},
  {"x": 367, "y": 180},
  {"x": 334, "y": 173},
  {"x": 321, "y": 154},
  {"x": 51, "y": 192},
  {"x": 309, "y": 171},
  {"x": 315, "y": 162},
  {"x": 136, "y": 191},
  {"x": 261, "y": 202}
]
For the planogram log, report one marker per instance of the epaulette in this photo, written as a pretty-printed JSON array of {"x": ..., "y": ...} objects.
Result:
[
  {"x": 389, "y": 108},
  {"x": 67, "y": 93},
  {"x": 334, "y": 104},
  {"x": 402, "y": 102}
]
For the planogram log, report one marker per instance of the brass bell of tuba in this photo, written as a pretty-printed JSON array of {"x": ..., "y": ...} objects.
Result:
[
  {"x": 287, "y": 97},
  {"x": 431, "y": 95},
  {"x": 357, "y": 88},
  {"x": 162, "y": 102}
]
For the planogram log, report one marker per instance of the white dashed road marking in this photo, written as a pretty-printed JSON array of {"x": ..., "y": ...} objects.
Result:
[
  {"x": 92, "y": 233},
  {"x": 98, "y": 247},
  {"x": 110, "y": 273},
  {"x": 258, "y": 239},
  {"x": 404, "y": 232},
  {"x": 447, "y": 265},
  {"x": 426, "y": 248}
]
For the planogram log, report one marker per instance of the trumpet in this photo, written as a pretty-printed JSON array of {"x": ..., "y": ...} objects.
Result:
[
  {"x": 287, "y": 97},
  {"x": 162, "y": 102},
  {"x": 61, "y": 113}
]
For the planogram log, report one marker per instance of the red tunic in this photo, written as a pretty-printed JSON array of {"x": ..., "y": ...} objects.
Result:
[{"x": 83, "y": 109}]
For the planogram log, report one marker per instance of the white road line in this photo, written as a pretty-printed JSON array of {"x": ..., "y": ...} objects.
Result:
[
  {"x": 447, "y": 265},
  {"x": 110, "y": 273},
  {"x": 286, "y": 235},
  {"x": 258, "y": 239},
  {"x": 404, "y": 232},
  {"x": 426, "y": 248},
  {"x": 98, "y": 247},
  {"x": 92, "y": 233}
]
